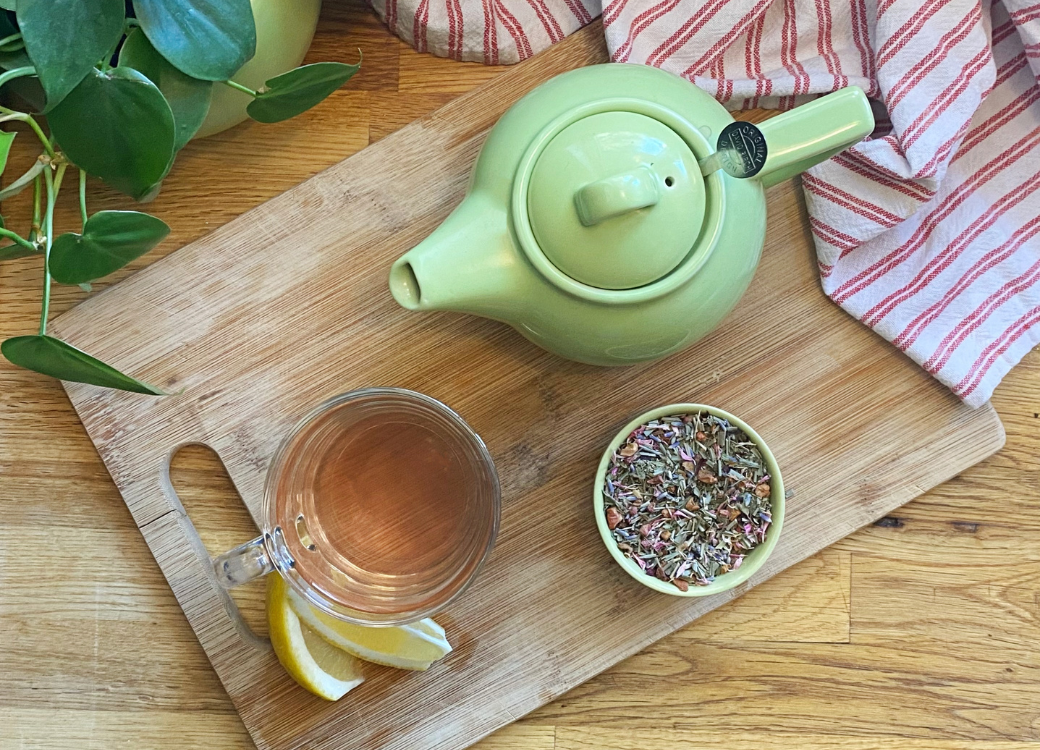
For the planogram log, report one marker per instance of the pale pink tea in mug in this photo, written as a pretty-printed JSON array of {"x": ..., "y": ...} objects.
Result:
[{"x": 382, "y": 505}]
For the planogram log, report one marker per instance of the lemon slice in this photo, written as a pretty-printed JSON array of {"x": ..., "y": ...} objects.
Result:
[
  {"x": 414, "y": 646},
  {"x": 318, "y": 666},
  {"x": 429, "y": 627}
]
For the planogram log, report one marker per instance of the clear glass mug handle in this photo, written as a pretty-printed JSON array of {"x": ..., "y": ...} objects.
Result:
[{"x": 242, "y": 564}]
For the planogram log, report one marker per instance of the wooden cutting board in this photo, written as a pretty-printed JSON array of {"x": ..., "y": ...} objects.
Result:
[{"x": 288, "y": 305}]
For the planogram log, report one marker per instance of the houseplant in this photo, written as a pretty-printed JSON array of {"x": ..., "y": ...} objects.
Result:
[
  {"x": 284, "y": 31},
  {"x": 123, "y": 86}
]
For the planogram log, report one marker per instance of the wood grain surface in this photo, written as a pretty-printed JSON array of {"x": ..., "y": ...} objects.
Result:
[
  {"x": 919, "y": 632},
  {"x": 249, "y": 343}
]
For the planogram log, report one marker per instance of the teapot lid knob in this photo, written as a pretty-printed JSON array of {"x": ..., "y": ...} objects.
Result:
[
  {"x": 616, "y": 200},
  {"x": 617, "y": 195}
]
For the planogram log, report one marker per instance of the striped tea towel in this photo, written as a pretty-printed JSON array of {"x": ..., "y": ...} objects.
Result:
[
  {"x": 490, "y": 31},
  {"x": 927, "y": 232}
]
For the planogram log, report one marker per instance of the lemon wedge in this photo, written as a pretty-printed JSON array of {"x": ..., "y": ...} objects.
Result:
[
  {"x": 414, "y": 646},
  {"x": 318, "y": 666},
  {"x": 429, "y": 627}
]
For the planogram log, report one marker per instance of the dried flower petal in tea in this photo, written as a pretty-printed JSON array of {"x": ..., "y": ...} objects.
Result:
[{"x": 687, "y": 498}]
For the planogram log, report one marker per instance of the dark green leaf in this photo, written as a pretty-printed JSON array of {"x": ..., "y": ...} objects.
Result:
[
  {"x": 188, "y": 97},
  {"x": 10, "y": 252},
  {"x": 6, "y": 139},
  {"x": 152, "y": 194},
  {"x": 50, "y": 356},
  {"x": 7, "y": 26},
  {"x": 66, "y": 38},
  {"x": 207, "y": 39},
  {"x": 298, "y": 90},
  {"x": 117, "y": 126},
  {"x": 110, "y": 240}
]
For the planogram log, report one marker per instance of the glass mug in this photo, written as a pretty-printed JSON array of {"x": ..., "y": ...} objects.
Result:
[{"x": 380, "y": 506}]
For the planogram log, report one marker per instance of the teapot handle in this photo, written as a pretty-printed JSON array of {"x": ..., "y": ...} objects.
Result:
[{"x": 813, "y": 132}]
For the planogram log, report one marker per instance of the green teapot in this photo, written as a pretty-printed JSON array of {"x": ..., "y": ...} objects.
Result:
[{"x": 616, "y": 213}]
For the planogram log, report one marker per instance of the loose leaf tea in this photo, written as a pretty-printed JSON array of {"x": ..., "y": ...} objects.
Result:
[{"x": 687, "y": 498}]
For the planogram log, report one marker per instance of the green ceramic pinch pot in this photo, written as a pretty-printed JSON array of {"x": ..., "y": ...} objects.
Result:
[
  {"x": 752, "y": 562},
  {"x": 616, "y": 213}
]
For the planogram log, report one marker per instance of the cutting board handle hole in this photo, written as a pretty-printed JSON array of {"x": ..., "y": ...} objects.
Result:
[{"x": 221, "y": 519}]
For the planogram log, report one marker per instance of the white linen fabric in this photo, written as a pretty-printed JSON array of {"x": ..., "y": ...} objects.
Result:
[{"x": 927, "y": 231}]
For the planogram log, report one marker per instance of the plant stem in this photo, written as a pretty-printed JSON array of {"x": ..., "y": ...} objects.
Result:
[
  {"x": 106, "y": 61},
  {"x": 53, "y": 186},
  {"x": 18, "y": 239},
  {"x": 240, "y": 87},
  {"x": 10, "y": 75},
  {"x": 46, "y": 303},
  {"x": 15, "y": 37},
  {"x": 37, "y": 192},
  {"x": 31, "y": 122},
  {"x": 83, "y": 198}
]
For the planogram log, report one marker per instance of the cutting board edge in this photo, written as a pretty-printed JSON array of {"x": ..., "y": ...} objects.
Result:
[
  {"x": 995, "y": 442},
  {"x": 990, "y": 427}
]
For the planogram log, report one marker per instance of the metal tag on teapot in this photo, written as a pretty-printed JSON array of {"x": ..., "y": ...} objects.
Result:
[{"x": 740, "y": 151}]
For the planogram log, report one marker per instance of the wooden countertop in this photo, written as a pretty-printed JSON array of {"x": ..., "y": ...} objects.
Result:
[{"x": 920, "y": 632}]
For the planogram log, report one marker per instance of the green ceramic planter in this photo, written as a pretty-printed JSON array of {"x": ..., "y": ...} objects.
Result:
[
  {"x": 284, "y": 31},
  {"x": 752, "y": 563}
]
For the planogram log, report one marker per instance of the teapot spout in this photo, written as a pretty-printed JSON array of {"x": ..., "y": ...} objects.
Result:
[
  {"x": 404, "y": 285},
  {"x": 468, "y": 264}
]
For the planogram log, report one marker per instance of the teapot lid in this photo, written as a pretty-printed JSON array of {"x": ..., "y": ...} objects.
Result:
[{"x": 616, "y": 200}]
